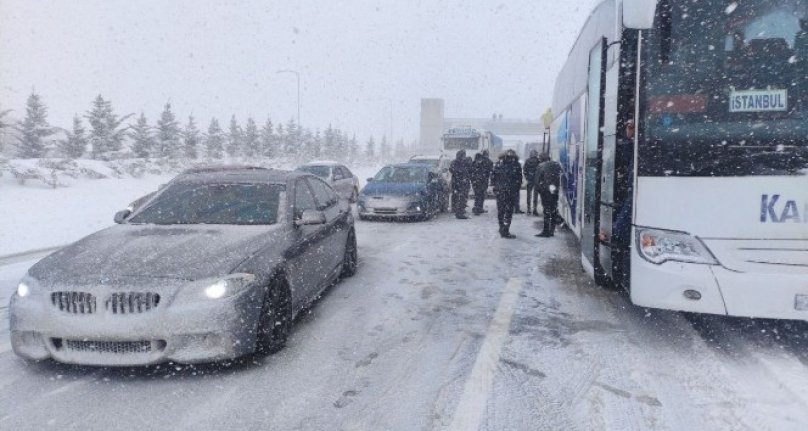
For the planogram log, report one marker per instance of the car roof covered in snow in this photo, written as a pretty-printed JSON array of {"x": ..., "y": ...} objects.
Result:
[
  {"x": 322, "y": 163},
  {"x": 247, "y": 174}
]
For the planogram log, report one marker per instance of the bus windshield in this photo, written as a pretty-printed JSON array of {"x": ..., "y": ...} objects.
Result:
[{"x": 725, "y": 89}]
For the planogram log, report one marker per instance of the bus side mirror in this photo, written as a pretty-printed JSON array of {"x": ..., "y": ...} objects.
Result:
[{"x": 639, "y": 14}]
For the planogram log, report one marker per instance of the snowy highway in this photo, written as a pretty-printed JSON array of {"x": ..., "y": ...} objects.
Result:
[{"x": 448, "y": 326}]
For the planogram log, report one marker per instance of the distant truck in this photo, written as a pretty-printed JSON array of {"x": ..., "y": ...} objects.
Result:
[{"x": 472, "y": 140}]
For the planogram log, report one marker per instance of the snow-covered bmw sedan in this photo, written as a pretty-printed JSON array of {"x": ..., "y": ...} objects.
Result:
[{"x": 212, "y": 267}]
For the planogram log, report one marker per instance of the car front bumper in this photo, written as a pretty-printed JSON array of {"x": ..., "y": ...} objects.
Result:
[
  {"x": 393, "y": 209},
  {"x": 205, "y": 331}
]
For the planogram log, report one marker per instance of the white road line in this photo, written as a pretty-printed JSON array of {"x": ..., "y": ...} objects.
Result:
[{"x": 469, "y": 413}]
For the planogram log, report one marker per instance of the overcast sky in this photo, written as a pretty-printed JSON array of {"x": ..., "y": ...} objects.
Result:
[{"x": 217, "y": 58}]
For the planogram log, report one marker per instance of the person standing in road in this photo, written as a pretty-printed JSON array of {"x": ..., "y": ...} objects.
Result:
[
  {"x": 507, "y": 181},
  {"x": 481, "y": 170},
  {"x": 531, "y": 164},
  {"x": 518, "y": 197},
  {"x": 461, "y": 181},
  {"x": 548, "y": 179}
]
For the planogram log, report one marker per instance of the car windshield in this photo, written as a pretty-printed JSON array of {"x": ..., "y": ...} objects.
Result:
[
  {"x": 321, "y": 171},
  {"x": 237, "y": 204},
  {"x": 403, "y": 175}
]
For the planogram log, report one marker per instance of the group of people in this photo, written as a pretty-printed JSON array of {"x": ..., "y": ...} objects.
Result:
[{"x": 541, "y": 174}]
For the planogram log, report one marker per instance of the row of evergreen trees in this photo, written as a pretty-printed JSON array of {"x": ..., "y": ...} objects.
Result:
[{"x": 110, "y": 137}]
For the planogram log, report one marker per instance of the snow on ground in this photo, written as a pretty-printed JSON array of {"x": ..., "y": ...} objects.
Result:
[
  {"x": 445, "y": 326},
  {"x": 35, "y": 216}
]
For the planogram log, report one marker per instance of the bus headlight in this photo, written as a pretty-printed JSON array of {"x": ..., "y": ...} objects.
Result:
[{"x": 659, "y": 246}]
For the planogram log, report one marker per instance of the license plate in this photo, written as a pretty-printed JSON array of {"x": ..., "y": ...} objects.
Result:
[
  {"x": 801, "y": 302},
  {"x": 758, "y": 101}
]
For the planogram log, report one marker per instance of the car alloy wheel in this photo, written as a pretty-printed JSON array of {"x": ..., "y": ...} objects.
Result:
[{"x": 275, "y": 320}]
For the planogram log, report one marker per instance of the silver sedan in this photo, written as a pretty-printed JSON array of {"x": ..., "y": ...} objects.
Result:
[{"x": 212, "y": 267}]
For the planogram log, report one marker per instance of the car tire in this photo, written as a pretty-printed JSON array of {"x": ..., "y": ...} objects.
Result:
[
  {"x": 275, "y": 319},
  {"x": 351, "y": 257}
]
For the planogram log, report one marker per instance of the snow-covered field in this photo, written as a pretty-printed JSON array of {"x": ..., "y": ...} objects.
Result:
[{"x": 445, "y": 326}]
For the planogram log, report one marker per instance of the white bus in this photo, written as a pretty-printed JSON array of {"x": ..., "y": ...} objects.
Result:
[
  {"x": 705, "y": 208},
  {"x": 472, "y": 141}
]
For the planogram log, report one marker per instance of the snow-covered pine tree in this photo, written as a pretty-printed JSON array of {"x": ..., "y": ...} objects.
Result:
[
  {"x": 306, "y": 151},
  {"x": 75, "y": 144},
  {"x": 106, "y": 133},
  {"x": 168, "y": 134},
  {"x": 329, "y": 143},
  {"x": 234, "y": 138},
  {"x": 190, "y": 139},
  {"x": 293, "y": 136},
  {"x": 317, "y": 145},
  {"x": 34, "y": 130},
  {"x": 353, "y": 149},
  {"x": 370, "y": 150},
  {"x": 142, "y": 138},
  {"x": 252, "y": 141},
  {"x": 269, "y": 146},
  {"x": 342, "y": 145},
  {"x": 280, "y": 139},
  {"x": 214, "y": 140},
  {"x": 99, "y": 135},
  {"x": 3, "y": 125},
  {"x": 384, "y": 149}
]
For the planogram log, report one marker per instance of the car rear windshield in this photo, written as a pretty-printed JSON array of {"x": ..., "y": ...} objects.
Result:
[
  {"x": 395, "y": 174},
  {"x": 237, "y": 204},
  {"x": 320, "y": 171}
]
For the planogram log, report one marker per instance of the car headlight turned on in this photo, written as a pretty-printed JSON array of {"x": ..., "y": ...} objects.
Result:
[
  {"x": 659, "y": 246},
  {"x": 23, "y": 290},
  {"x": 214, "y": 288}
]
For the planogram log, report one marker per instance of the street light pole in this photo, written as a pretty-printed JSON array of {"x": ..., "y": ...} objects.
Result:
[{"x": 297, "y": 74}]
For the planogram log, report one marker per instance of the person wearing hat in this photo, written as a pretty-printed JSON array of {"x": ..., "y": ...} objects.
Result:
[
  {"x": 548, "y": 179},
  {"x": 480, "y": 178},
  {"x": 461, "y": 182},
  {"x": 531, "y": 165},
  {"x": 507, "y": 183}
]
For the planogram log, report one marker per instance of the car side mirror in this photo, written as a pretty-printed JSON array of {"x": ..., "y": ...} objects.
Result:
[
  {"x": 311, "y": 218},
  {"x": 370, "y": 180},
  {"x": 122, "y": 215}
]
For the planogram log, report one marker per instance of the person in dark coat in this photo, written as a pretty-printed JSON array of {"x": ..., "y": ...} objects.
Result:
[
  {"x": 461, "y": 181},
  {"x": 531, "y": 164},
  {"x": 481, "y": 170},
  {"x": 548, "y": 179},
  {"x": 507, "y": 181}
]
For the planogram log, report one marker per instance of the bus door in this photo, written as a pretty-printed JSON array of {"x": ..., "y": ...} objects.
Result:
[
  {"x": 592, "y": 160},
  {"x": 607, "y": 176}
]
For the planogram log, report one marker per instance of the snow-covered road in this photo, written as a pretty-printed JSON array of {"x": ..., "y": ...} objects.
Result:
[{"x": 447, "y": 326}]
